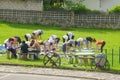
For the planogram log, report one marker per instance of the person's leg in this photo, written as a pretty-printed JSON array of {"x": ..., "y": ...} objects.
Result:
[
  {"x": 102, "y": 46},
  {"x": 63, "y": 40},
  {"x": 72, "y": 37},
  {"x": 13, "y": 52},
  {"x": 87, "y": 44},
  {"x": 26, "y": 38},
  {"x": 64, "y": 49}
]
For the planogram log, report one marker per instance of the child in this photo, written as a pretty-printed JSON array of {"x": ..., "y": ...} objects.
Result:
[
  {"x": 65, "y": 38},
  {"x": 70, "y": 35},
  {"x": 101, "y": 43},
  {"x": 89, "y": 41},
  {"x": 80, "y": 42},
  {"x": 38, "y": 34},
  {"x": 24, "y": 47},
  {"x": 56, "y": 40},
  {"x": 28, "y": 36}
]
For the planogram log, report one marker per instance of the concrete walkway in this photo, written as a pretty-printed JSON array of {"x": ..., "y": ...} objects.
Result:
[{"x": 60, "y": 72}]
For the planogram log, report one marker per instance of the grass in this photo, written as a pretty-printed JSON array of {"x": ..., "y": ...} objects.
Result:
[{"x": 110, "y": 36}]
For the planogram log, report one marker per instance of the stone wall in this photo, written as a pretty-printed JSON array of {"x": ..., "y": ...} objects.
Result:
[
  {"x": 22, "y": 4},
  {"x": 60, "y": 18}
]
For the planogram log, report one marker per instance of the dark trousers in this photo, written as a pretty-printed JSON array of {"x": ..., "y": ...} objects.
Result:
[
  {"x": 13, "y": 51},
  {"x": 102, "y": 46}
]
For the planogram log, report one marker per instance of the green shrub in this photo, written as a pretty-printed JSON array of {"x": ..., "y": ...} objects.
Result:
[
  {"x": 80, "y": 9},
  {"x": 115, "y": 10}
]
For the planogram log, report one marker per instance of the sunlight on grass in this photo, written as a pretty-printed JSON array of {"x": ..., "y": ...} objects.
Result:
[{"x": 110, "y": 36}]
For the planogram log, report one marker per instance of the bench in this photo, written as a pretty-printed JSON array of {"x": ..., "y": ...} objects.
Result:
[
  {"x": 22, "y": 56},
  {"x": 33, "y": 54}
]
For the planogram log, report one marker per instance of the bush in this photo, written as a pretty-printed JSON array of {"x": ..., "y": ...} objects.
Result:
[
  {"x": 115, "y": 10},
  {"x": 80, "y": 9}
]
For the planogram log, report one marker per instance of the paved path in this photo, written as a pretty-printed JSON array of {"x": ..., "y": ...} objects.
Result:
[{"x": 59, "y": 72}]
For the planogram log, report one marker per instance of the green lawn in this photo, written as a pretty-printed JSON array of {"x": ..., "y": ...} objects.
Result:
[{"x": 110, "y": 36}]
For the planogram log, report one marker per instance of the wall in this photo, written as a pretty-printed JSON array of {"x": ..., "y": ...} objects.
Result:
[
  {"x": 22, "y": 4},
  {"x": 60, "y": 18}
]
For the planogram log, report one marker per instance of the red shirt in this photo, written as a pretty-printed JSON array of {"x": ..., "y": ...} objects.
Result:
[{"x": 99, "y": 42}]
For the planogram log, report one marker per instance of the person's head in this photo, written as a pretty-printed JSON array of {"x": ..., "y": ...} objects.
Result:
[
  {"x": 93, "y": 40},
  {"x": 41, "y": 33},
  {"x": 57, "y": 40},
  {"x": 10, "y": 39},
  {"x": 32, "y": 42},
  {"x": 18, "y": 39}
]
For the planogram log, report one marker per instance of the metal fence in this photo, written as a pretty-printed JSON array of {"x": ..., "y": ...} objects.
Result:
[
  {"x": 62, "y": 18},
  {"x": 113, "y": 56}
]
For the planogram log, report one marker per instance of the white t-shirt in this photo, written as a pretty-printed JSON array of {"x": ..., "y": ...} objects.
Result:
[
  {"x": 71, "y": 41},
  {"x": 53, "y": 36},
  {"x": 65, "y": 37},
  {"x": 70, "y": 34},
  {"x": 28, "y": 35},
  {"x": 51, "y": 40},
  {"x": 37, "y": 32},
  {"x": 80, "y": 39}
]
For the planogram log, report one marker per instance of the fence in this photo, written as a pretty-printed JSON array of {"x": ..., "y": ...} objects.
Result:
[
  {"x": 113, "y": 56},
  {"x": 62, "y": 18}
]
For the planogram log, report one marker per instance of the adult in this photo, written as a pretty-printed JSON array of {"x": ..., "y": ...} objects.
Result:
[{"x": 9, "y": 47}]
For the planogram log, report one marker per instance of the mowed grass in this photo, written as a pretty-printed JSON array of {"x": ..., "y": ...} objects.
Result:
[{"x": 110, "y": 36}]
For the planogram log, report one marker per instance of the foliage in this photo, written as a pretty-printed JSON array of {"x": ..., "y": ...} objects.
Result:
[
  {"x": 52, "y": 5},
  {"x": 115, "y": 10},
  {"x": 69, "y": 4}
]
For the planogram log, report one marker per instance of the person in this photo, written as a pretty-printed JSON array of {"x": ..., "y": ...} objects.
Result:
[
  {"x": 68, "y": 45},
  {"x": 36, "y": 48},
  {"x": 48, "y": 45},
  {"x": 9, "y": 47},
  {"x": 80, "y": 42},
  {"x": 89, "y": 41},
  {"x": 65, "y": 38},
  {"x": 56, "y": 40},
  {"x": 28, "y": 36},
  {"x": 38, "y": 33},
  {"x": 24, "y": 48},
  {"x": 100, "y": 43},
  {"x": 70, "y": 35},
  {"x": 17, "y": 41}
]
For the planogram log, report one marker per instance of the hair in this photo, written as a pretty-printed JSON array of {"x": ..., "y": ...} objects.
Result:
[
  {"x": 93, "y": 40},
  {"x": 32, "y": 42},
  {"x": 10, "y": 39}
]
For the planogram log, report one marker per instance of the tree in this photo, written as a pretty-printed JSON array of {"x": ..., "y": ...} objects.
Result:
[{"x": 70, "y": 4}]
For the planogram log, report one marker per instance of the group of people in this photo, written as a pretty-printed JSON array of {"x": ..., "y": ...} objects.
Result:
[
  {"x": 15, "y": 43},
  {"x": 32, "y": 41},
  {"x": 80, "y": 43}
]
